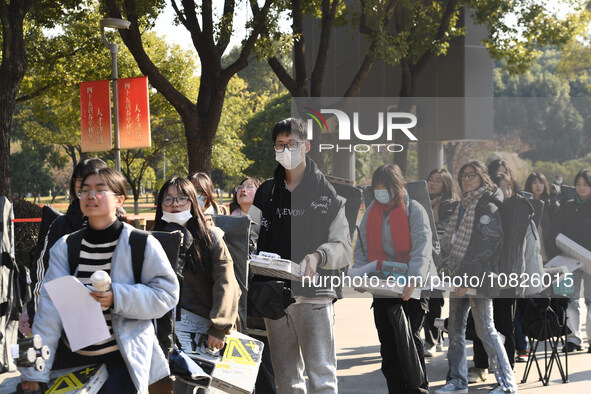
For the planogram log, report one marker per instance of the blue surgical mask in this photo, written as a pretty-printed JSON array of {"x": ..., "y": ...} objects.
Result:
[
  {"x": 201, "y": 200},
  {"x": 382, "y": 196}
]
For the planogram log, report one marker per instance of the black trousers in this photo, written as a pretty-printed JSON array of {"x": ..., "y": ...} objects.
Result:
[
  {"x": 391, "y": 367},
  {"x": 504, "y": 317},
  {"x": 433, "y": 334},
  {"x": 265, "y": 383}
]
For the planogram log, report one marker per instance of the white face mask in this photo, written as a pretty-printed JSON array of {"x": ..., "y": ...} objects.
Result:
[
  {"x": 289, "y": 160},
  {"x": 382, "y": 196},
  {"x": 177, "y": 217}
]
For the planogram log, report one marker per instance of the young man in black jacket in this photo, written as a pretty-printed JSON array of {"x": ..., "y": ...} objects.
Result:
[{"x": 303, "y": 220}]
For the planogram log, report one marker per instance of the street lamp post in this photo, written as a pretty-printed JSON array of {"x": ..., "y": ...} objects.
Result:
[
  {"x": 164, "y": 159},
  {"x": 114, "y": 23}
]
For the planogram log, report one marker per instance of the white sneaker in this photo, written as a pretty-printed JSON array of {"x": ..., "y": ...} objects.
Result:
[
  {"x": 476, "y": 375},
  {"x": 439, "y": 347},
  {"x": 428, "y": 351},
  {"x": 451, "y": 388}
]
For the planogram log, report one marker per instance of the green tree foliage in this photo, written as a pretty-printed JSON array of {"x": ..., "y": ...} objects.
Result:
[
  {"x": 410, "y": 34},
  {"x": 538, "y": 107},
  {"x": 258, "y": 75},
  {"x": 239, "y": 106},
  {"x": 21, "y": 24},
  {"x": 211, "y": 36},
  {"x": 51, "y": 116},
  {"x": 257, "y": 136},
  {"x": 31, "y": 175},
  {"x": 567, "y": 169}
]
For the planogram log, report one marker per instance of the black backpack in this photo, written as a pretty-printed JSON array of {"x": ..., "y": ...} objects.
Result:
[
  {"x": 171, "y": 243},
  {"x": 543, "y": 318}
]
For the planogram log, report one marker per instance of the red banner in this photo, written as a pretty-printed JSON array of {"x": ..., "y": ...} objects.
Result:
[
  {"x": 95, "y": 116},
  {"x": 134, "y": 113}
]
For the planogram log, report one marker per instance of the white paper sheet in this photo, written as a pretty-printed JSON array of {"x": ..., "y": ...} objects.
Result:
[
  {"x": 81, "y": 314},
  {"x": 562, "y": 261},
  {"x": 575, "y": 251}
]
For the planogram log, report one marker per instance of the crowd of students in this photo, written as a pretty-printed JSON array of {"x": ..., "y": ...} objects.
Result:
[{"x": 483, "y": 226}]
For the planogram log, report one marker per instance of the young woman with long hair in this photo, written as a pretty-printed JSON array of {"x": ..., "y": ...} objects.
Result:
[
  {"x": 440, "y": 185},
  {"x": 538, "y": 186},
  {"x": 471, "y": 247},
  {"x": 72, "y": 221},
  {"x": 574, "y": 221},
  {"x": 205, "y": 194},
  {"x": 209, "y": 291},
  {"x": 132, "y": 354}
]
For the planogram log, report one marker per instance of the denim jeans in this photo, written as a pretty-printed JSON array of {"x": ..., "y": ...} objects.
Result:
[
  {"x": 482, "y": 311},
  {"x": 504, "y": 318}
]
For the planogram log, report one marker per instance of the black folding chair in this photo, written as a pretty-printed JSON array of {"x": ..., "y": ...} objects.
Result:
[{"x": 544, "y": 320}]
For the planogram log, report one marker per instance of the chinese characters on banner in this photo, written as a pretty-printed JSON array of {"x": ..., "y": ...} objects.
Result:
[
  {"x": 95, "y": 111},
  {"x": 134, "y": 113}
]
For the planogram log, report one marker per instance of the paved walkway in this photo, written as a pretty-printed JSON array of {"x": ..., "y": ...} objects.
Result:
[{"x": 359, "y": 359}]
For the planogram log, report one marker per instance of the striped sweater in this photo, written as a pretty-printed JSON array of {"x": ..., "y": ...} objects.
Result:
[{"x": 96, "y": 252}]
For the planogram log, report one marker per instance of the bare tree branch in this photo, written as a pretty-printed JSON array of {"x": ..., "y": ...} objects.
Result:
[
  {"x": 179, "y": 14},
  {"x": 34, "y": 94},
  {"x": 329, "y": 11},
  {"x": 248, "y": 46},
  {"x": 226, "y": 26},
  {"x": 450, "y": 9}
]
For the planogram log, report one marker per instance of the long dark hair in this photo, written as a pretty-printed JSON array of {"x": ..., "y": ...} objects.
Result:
[
  {"x": 116, "y": 183},
  {"x": 197, "y": 225},
  {"x": 540, "y": 177},
  {"x": 390, "y": 176},
  {"x": 449, "y": 190},
  {"x": 481, "y": 170},
  {"x": 234, "y": 204},
  {"x": 585, "y": 174},
  {"x": 82, "y": 168},
  {"x": 205, "y": 183},
  {"x": 493, "y": 168},
  {"x": 501, "y": 176}
]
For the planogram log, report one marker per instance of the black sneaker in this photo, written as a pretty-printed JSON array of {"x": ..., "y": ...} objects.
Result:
[{"x": 571, "y": 347}]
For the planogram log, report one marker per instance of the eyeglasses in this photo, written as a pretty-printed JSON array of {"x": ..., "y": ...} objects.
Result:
[
  {"x": 291, "y": 146},
  {"x": 180, "y": 200},
  {"x": 468, "y": 176},
  {"x": 242, "y": 187},
  {"x": 98, "y": 194},
  {"x": 435, "y": 181}
]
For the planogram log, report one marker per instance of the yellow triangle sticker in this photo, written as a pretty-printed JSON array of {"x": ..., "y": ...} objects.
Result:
[
  {"x": 235, "y": 351},
  {"x": 65, "y": 384}
]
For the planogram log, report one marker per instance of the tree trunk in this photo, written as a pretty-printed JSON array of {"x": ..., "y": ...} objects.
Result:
[
  {"x": 201, "y": 125},
  {"x": 12, "y": 71},
  {"x": 450, "y": 152},
  {"x": 5, "y": 121},
  {"x": 199, "y": 148},
  {"x": 136, "y": 202}
]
